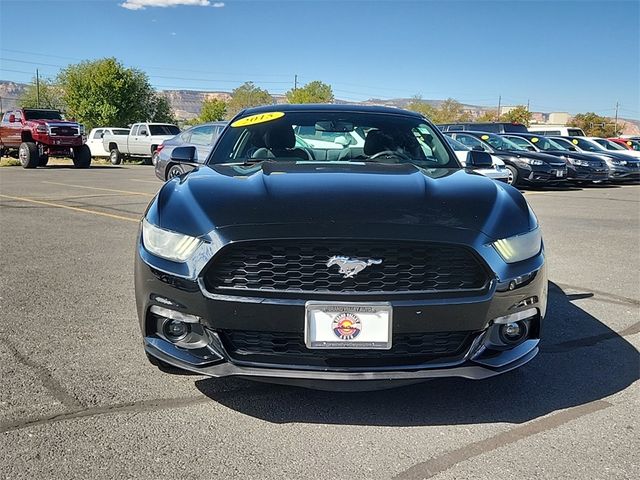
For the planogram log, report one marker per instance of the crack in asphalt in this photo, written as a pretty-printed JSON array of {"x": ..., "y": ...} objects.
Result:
[
  {"x": 140, "y": 406},
  {"x": 444, "y": 462},
  {"x": 601, "y": 293},
  {"x": 583, "y": 342},
  {"x": 50, "y": 383}
]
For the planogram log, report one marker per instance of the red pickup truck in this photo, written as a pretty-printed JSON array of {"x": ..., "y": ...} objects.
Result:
[{"x": 35, "y": 134}]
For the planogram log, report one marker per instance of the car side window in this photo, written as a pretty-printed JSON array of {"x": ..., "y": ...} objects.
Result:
[
  {"x": 143, "y": 130},
  {"x": 202, "y": 135},
  {"x": 5, "y": 117},
  {"x": 18, "y": 115},
  {"x": 469, "y": 140},
  {"x": 98, "y": 133},
  {"x": 134, "y": 130},
  {"x": 186, "y": 136}
]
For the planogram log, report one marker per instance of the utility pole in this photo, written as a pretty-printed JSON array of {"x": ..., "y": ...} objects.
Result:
[
  {"x": 1, "y": 111},
  {"x": 37, "y": 88},
  {"x": 499, "y": 106},
  {"x": 527, "y": 104},
  {"x": 295, "y": 82},
  {"x": 616, "y": 130}
]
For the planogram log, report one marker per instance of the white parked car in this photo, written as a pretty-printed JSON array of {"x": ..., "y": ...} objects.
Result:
[
  {"x": 499, "y": 170},
  {"x": 613, "y": 146},
  {"x": 94, "y": 139},
  {"x": 142, "y": 141},
  {"x": 556, "y": 130}
]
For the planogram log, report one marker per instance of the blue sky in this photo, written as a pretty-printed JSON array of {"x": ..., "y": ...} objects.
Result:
[{"x": 560, "y": 55}]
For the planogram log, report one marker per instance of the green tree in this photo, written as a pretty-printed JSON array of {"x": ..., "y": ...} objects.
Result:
[
  {"x": 160, "y": 109},
  {"x": 50, "y": 96},
  {"x": 245, "y": 96},
  {"x": 488, "y": 116},
  {"x": 450, "y": 111},
  {"x": 519, "y": 114},
  {"x": 212, "y": 110},
  {"x": 594, "y": 125},
  {"x": 313, "y": 92},
  {"x": 417, "y": 104},
  {"x": 104, "y": 92}
]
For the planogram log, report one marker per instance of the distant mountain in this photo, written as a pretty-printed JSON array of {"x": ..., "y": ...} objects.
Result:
[{"x": 186, "y": 104}]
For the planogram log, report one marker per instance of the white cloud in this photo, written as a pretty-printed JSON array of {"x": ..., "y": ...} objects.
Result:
[{"x": 142, "y": 4}]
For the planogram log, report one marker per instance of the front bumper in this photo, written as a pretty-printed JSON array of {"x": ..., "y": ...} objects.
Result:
[
  {"x": 427, "y": 314},
  {"x": 621, "y": 172},
  {"x": 587, "y": 174},
  {"x": 542, "y": 173}
]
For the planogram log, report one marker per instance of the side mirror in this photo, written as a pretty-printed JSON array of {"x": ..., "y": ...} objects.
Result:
[
  {"x": 531, "y": 149},
  {"x": 478, "y": 148},
  {"x": 143, "y": 134},
  {"x": 476, "y": 159},
  {"x": 12, "y": 118},
  {"x": 184, "y": 154}
]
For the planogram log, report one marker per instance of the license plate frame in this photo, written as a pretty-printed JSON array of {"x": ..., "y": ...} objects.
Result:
[{"x": 376, "y": 316}]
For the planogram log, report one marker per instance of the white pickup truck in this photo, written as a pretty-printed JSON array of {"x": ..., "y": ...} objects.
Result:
[{"x": 142, "y": 141}]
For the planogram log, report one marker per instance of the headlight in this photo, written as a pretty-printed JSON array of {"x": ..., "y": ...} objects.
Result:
[
  {"x": 520, "y": 247},
  {"x": 618, "y": 162},
  {"x": 166, "y": 244},
  {"x": 579, "y": 163},
  {"x": 532, "y": 161}
]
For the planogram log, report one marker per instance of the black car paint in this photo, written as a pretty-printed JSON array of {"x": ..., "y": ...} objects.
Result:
[
  {"x": 597, "y": 171},
  {"x": 287, "y": 200},
  {"x": 527, "y": 174}
]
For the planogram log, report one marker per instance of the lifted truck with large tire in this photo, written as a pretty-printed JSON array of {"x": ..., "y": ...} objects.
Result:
[
  {"x": 33, "y": 135},
  {"x": 142, "y": 141}
]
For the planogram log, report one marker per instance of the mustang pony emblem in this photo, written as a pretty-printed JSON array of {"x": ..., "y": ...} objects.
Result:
[{"x": 350, "y": 267}]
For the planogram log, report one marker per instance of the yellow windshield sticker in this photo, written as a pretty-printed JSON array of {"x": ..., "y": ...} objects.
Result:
[
  {"x": 259, "y": 118},
  {"x": 629, "y": 143},
  {"x": 485, "y": 137},
  {"x": 534, "y": 139},
  {"x": 574, "y": 141}
]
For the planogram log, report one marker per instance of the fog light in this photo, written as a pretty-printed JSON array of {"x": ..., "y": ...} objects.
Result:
[
  {"x": 513, "y": 332},
  {"x": 175, "y": 330}
]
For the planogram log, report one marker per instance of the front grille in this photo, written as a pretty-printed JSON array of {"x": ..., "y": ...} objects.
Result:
[
  {"x": 301, "y": 266},
  {"x": 63, "y": 131},
  {"x": 289, "y": 348}
]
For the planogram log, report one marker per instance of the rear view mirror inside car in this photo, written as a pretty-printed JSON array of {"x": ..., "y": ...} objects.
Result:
[{"x": 334, "y": 126}]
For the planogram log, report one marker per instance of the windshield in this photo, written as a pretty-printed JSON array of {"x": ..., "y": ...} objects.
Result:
[
  {"x": 164, "y": 130},
  {"x": 321, "y": 136},
  {"x": 544, "y": 143},
  {"x": 42, "y": 115},
  {"x": 566, "y": 144},
  {"x": 500, "y": 143},
  {"x": 612, "y": 145},
  {"x": 587, "y": 145},
  {"x": 457, "y": 146}
]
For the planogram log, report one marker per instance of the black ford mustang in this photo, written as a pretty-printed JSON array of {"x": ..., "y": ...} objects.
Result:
[{"x": 381, "y": 262}]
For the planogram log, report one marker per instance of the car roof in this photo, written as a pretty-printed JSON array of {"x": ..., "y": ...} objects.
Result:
[
  {"x": 472, "y": 132},
  {"x": 329, "y": 107}
]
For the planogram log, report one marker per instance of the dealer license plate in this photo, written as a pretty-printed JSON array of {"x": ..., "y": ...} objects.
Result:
[
  {"x": 560, "y": 173},
  {"x": 348, "y": 325}
]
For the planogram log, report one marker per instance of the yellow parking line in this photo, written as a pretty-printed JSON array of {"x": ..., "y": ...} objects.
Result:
[
  {"x": 126, "y": 192},
  {"x": 76, "y": 209}
]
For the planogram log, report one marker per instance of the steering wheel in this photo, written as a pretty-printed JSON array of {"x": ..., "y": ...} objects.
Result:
[{"x": 390, "y": 153}]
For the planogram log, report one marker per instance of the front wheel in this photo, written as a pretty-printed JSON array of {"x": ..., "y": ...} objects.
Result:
[
  {"x": 154, "y": 158},
  {"x": 28, "y": 155},
  {"x": 44, "y": 159},
  {"x": 512, "y": 172},
  {"x": 115, "y": 157},
  {"x": 82, "y": 157},
  {"x": 174, "y": 171}
]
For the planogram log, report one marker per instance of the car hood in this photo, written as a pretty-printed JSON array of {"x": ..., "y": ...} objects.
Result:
[
  {"x": 64, "y": 123},
  {"x": 219, "y": 196},
  {"x": 515, "y": 154}
]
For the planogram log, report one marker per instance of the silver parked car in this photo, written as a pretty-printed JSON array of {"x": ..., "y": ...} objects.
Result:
[{"x": 202, "y": 137}]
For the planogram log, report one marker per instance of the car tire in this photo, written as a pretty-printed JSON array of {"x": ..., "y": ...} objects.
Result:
[
  {"x": 154, "y": 158},
  {"x": 174, "y": 171},
  {"x": 44, "y": 159},
  {"x": 115, "y": 157},
  {"x": 82, "y": 157},
  {"x": 512, "y": 179},
  {"x": 28, "y": 155}
]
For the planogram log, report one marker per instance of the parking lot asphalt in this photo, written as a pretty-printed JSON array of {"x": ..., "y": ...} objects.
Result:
[{"x": 79, "y": 400}]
